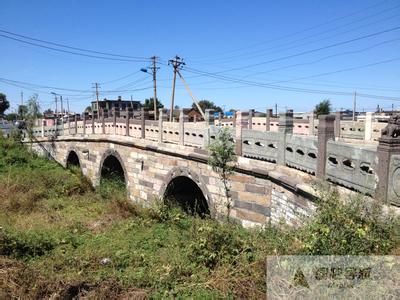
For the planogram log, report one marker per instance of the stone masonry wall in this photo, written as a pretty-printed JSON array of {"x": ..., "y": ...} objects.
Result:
[{"x": 150, "y": 166}]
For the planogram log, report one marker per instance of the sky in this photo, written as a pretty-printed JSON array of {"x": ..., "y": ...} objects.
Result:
[{"x": 238, "y": 54}]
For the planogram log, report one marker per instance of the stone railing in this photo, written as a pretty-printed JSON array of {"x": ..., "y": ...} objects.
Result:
[
  {"x": 366, "y": 129},
  {"x": 351, "y": 165}
]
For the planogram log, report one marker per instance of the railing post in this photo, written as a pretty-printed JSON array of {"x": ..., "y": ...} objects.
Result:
[
  {"x": 268, "y": 120},
  {"x": 43, "y": 121},
  {"x": 103, "y": 125},
  {"x": 326, "y": 132},
  {"x": 114, "y": 115},
  {"x": 242, "y": 121},
  {"x": 85, "y": 114},
  {"x": 160, "y": 125},
  {"x": 338, "y": 116},
  {"x": 368, "y": 126},
  {"x": 311, "y": 124},
  {"x": 219, "y": 118},
  {"x": 144, "y": 115},
  {"x": 250, "y": 118},
  {"x": 209, "y": 117},
  {"x": 181, "y": 127},
  {"x": 285, "y": 127},
  {"x": 388, "y": 170},
  {"x": 69, "y": 124},
  {"x": 76, "y": 123},
  {"x": 93, "y": 123}
]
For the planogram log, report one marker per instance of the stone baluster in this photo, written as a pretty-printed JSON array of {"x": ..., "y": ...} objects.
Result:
[
  {"x": 93, "y": 123},
  {"x": 43, "y": 122},
  {"x": 268, "y": 120},
  {"x": 194, "y": 118},
  {"x": 388, "y": 170},
  {"x": 242, "y": 121},
  {"x": 76, "y": 124},
  {"x": 103, "y": 125},
  {"x": 285, "y": 127},
  {"x": 219, "y": 118},
  {"x": 326, "y": 132},
  {"x": 250, "y": 118},
  {"x": 368, "y": 126},
  {"x": 69, "y": 124},
  {"x": 144, "y": 116},
  {"x": 127, "y": 124},
  {"x": 311, "y": 124},
  {"x": 209, "y": 113},
  {"x": 181, "y": 127},
  {"x": 114, "y": 115},
  {"x": 85, "y": 115},
  {"x": 338, "y": 116},
  {"x": 160, "y": 124}
]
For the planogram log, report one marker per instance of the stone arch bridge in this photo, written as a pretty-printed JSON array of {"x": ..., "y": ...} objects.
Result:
[{"x": 273, "y": 178}]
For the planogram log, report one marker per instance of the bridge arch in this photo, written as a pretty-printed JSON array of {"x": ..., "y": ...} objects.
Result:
[
  {"x": 111, "y": 164},
  {"x": 72, "y": 159},
  {"x": 188, "y": 190}
]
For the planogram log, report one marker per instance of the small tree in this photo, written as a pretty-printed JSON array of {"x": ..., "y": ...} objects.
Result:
[
  {"x": 323, "y": 108},
  {"x": 4, "y": 104},
  {"x": 222, "y": 160},
  {"x": 206, "y": 104},
  {"x": 149, "y": 104}
]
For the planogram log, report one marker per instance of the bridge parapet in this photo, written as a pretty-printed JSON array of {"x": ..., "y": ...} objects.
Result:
[{"x": 354, "y": 166}]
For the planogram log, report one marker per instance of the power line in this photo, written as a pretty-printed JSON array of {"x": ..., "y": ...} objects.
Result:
[
  {"x": 73, "y": 48},
  {"x": 296, "y": 33},
  {"x": 311, "y": 51},
  {"x": 71, "y": 52}
]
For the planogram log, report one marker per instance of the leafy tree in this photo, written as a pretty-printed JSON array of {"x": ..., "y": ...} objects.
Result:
[
  {"x": 12, "y": 117},
  {"x": 22, "y": 111},
  {"x": 149, "y": 104},
  {"x": 88, "y": 109},
  {"x": 206, "y": 104},
  {"x": 323, "y": 108},
  {"x": 33, "y": 108},
  {"x": 222, "y": 160},
  {"x": 4, "y": 104},
  {"x": 48, "y": 112}
]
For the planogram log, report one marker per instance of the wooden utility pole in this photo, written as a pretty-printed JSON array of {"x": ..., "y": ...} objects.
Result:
[
  {"x": 176, "y": 64},
  {"x": 354, "y": 106},
  {"x": 154, "y": 72},
  {"x": 96, "y": 85}
]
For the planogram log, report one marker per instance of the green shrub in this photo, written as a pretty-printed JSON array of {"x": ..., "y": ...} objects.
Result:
[{"x": 352, "y": 227}]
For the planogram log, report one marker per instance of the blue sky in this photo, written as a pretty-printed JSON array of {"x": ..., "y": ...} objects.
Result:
[{"x": 241, "y": 48}]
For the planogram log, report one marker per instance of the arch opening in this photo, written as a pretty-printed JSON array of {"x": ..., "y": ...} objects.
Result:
[
  {"x": 185, "y": 193},
  {"x": 112, "y": 169},
  {"x": 73, "y": 160}
]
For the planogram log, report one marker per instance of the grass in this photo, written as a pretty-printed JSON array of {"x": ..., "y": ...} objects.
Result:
[{"x": 61, "y": 238}]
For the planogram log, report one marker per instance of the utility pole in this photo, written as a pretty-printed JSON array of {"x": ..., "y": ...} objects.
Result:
[
  {"x": 354, "y": 106},
  {"x": 22, "y": 98},
  {"x": 96, "y": 85},
  {"x": 276, "y": 110},
  {"x": 176, "y": 64},
  {"x": 55, "y": 98},
  {"x": 62, "y": 111},
  {"x": 154, "y": 69}
]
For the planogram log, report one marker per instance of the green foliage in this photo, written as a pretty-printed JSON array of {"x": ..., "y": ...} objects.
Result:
[
  {"x": 206, "y": 104},
  {"x": 323, "y": 108},
  {"x": 222, "y": 160},
  {"x": 12, "y": 117},
  {"x": 22, "y": 111},
  {"x": 55, "y": 231},
  {"x": 33, "y": 108},
  {"x": 149, "y": 104},
  {"x": 350, "y": 228},
  {"x": 4, "y": 103}
]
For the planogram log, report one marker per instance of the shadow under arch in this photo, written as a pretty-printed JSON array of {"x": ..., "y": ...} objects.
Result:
[
  {"x": 73, "y": 160},
  {"x": 112, "y": 167},
  {"x": 185, "y": 188}
]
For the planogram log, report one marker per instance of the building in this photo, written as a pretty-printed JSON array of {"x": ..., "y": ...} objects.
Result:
[{"x": 108, "y": 104}]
